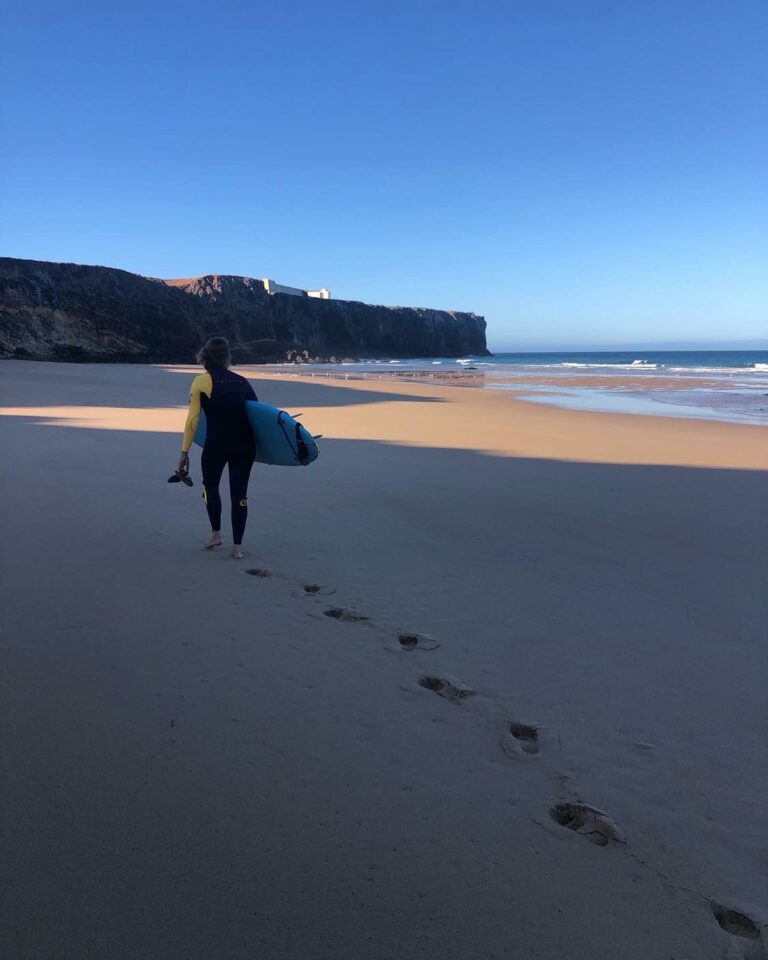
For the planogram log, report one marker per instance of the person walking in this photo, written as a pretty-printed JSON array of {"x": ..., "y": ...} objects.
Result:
[{"x": 229, "y": 441}]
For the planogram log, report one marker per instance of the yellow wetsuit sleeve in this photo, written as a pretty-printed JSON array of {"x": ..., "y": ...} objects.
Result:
[{"x": 200, "y": 385}]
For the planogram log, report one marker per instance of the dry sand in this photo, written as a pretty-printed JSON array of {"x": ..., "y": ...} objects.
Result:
[{"x": 200, "y": 765}]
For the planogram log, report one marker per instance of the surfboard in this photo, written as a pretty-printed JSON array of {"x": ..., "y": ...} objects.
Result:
[{"x": 280, "y": 439}]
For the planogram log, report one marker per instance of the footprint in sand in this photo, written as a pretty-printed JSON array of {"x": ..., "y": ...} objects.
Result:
[
  {"x": 590, "y": 822},
  {"x": 525, "y": 737},
  {"x": 523, "y": 740},
  {"x": 318, "y": 590},
  {"x": 745, "y": 931},
  {"x": 447, "y": 687},
  {"x": 348, "y": 616},
  {"x": 417, "y": 641},
  {"x": 310, "y": 589}
]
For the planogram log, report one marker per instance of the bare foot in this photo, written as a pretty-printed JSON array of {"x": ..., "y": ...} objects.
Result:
[
  {"x": 215, "y": 541},
  {"x": 237, "y": 553}
]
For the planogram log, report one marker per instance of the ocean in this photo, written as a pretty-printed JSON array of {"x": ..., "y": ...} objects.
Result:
[
  {"x": 701, "y": 361},
  {"x": 726, "y": 385}
]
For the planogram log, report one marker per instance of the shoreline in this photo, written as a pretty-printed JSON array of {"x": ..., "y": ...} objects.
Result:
[
  {"x": 549, "y": 392},
  {"x": 412, "y": 414},
  {"x": 643, "y": 393},
  {"x": 724, "y": 395}
]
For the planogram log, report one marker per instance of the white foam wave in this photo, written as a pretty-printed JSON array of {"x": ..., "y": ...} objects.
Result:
[
  {"x": 755, "y": 368},
  {"x": 634, "y": 365},
  {"x": 642, "y": 365}
]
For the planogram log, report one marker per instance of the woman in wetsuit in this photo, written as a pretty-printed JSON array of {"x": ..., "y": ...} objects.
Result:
[{"x": 228, "y": 438}]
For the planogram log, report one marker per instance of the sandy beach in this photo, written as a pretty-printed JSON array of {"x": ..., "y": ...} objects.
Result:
[{"x": 200, "y": 764}]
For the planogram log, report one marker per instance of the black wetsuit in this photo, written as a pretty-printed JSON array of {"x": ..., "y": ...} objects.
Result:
[{"x": 228, "y": 441}]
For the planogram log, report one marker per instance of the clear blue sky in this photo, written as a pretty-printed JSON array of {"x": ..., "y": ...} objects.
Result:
[{"x": 581, "y": 173}]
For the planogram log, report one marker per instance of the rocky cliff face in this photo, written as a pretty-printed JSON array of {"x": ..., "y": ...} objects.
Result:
[{"x": 63, "y": 311}]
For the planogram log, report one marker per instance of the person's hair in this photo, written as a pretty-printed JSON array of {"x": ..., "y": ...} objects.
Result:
[{"x": 215, "y": 354}]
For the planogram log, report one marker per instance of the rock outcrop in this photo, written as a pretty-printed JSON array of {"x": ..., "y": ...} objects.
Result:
[{"x": 64, "y": 311}]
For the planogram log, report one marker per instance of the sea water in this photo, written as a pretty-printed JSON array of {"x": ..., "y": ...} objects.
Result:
[{"x": 729, "y": 385}]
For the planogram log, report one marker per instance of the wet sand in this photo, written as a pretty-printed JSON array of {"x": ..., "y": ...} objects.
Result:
[{"x": 201, "y": 763}]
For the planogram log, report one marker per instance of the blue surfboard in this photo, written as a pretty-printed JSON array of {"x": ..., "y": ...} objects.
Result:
[{"x": 280, "y": 439}]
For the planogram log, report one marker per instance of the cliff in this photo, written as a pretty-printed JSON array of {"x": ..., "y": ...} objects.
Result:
[{"x": 64, "y": 311}]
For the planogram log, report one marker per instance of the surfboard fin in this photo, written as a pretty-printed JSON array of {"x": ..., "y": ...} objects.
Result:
[{"x": 316, "y": 436}]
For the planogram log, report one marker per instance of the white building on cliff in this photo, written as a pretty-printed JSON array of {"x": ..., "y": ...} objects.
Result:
[{"x": 271, "y": 287}]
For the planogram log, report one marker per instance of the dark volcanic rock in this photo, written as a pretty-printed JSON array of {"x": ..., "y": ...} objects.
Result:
[{"x": 64, "y": 311}]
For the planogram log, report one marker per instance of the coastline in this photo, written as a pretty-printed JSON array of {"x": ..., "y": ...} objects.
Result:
[
  {"x": 200, "y": 762},
  {"x": 715, "y": 386},
  {"x": 418, "y": 414},
  {"x": 503, "y": 423},
  {"x": 639, "y": 388}
]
